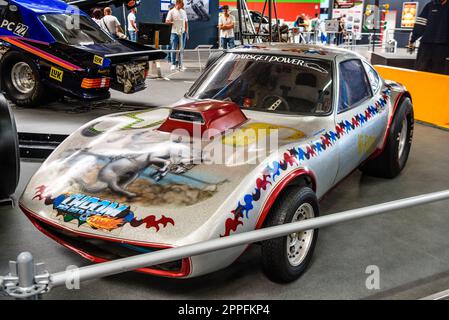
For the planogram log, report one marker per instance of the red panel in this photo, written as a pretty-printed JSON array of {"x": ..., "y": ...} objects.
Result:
[{"x": 218, "y": 116}]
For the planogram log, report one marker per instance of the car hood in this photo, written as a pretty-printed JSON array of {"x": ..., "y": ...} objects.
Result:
[{"x": 106, "y": 178}]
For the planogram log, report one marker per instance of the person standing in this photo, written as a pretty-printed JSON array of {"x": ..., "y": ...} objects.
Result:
[
  {"x": 226, "y": 26},
  {"x": 341, "y": 30},
  {"x": 96, "y": 16},
  {"x": 111, "y": 24},
  {"x": 185, "y": 37},
  {"x": 300, "y": 23},
  {"x": 432, "y": 26},
  {"x": 132, "y": 27},
  {"x": 164, "y": 18},
  {"x": 177, "y": 18},
  {"x": 315, "y": 27}
]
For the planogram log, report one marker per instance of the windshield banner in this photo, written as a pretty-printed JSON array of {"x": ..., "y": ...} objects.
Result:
[{"x": 280, "y": 59}]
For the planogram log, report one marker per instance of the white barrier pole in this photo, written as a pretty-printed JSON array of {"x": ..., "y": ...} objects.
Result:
[{"x": 167, "y": 255}]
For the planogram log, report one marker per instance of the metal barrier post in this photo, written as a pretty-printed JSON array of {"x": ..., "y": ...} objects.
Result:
[
  {"x": 25, "y": 280},
  {"x": 25, "y": 270}
]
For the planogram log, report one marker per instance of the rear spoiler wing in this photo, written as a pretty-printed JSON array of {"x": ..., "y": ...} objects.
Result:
[
  {"x": 156, "y": 54},
  {"x": 136, "y": 50}
]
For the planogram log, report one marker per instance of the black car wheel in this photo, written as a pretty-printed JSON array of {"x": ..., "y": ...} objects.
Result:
[
  {"x": 21, "y": 80},
  {"x": 285, "y": 259},
  {"x": 397, "y": 148},
  {"x": 9, "y": 151}
]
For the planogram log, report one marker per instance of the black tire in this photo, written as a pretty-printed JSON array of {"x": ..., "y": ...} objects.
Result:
[
  {"x": 275, "y": 260},
  {"x": 389, "y": 163},
  {"x": 28, "y": 99},
  {"x": 9, "y": 151}
]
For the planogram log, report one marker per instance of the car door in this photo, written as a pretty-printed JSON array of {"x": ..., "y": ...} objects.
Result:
[{"x": 355, "y": 95}]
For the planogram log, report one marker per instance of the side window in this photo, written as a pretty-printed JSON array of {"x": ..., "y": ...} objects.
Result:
[
  {"x": 354, "y": 84},
  {"x": 373, "y": 76}
]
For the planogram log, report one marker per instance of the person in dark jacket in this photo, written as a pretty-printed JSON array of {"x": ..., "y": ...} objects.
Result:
[{"x": 432, "y": 26}]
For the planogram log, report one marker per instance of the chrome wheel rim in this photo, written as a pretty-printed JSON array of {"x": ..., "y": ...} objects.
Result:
[
  {"x": 402, "y": 138},
  {"x": 298, "y": 243},
  {"x": 22, "y": 77}
]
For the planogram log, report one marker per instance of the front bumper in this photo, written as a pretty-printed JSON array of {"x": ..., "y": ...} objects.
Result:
[{"x": 100, "y": 249}]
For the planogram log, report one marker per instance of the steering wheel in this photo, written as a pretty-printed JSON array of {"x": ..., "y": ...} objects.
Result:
[{"x": 273, "y": 102}]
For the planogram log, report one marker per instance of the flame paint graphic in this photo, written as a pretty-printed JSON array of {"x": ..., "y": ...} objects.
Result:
[
  {"x": 106, "y": 223},
  {"x": 232, "y": 223},
  {"x": 151, "y": 221},
  {"x": 262, "y": 183},
  {"x": 40, "y": 193}
]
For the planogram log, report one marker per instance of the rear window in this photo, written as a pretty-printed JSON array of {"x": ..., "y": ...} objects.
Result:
[
  {"x": 354, "y": 85},
  {"x": 373, "y": 76},
  {"x": 74, "y": 29}
]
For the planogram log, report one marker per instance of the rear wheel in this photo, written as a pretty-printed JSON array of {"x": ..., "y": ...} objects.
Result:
[
  {"x": 285, "y": 259},
  {"x": 21, "y": 80},
  {"x": 397, "y": 148}
]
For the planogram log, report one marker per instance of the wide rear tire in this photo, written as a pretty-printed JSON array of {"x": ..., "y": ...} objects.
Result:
[
  {"x": 394, "y": 157},
  {"x": 21, "y": 80},
  {"x": 285, "y": 259}
]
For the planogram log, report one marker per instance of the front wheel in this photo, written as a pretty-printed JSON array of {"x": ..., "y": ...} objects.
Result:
[
  {"x": 21, "y": 80},
  {"x": 285, "y": 259},
  {"x": 397, "y": 148}
]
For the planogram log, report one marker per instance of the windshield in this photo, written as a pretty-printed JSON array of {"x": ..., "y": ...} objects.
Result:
[
  {"x": 64, "y": 28},
  {"x": 282, "y": 84}
]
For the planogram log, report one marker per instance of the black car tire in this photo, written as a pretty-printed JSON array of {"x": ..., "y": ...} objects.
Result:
[
  {"x": 28, "y": 99},
  {"x": 391, "y": 161},
  {"x": 9, "y": 151},
  {"x": 276, "y": 261}
]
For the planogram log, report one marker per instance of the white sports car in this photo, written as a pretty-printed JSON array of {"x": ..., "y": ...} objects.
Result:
[{"x": 263, "y": 134}]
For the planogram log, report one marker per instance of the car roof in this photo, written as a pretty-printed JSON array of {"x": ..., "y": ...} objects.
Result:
[
  {"x": 45, "y": 6},
  {"x": 294, "y": 49}
]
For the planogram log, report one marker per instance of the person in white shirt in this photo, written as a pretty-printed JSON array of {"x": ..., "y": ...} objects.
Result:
[
  {"x": 132, "y": 27},
  {"x": 96, "y": 16},
  {"x": 111, "y": 24},
  {"x": 315, "y": 27},
  {"x": 226, "y": 26},
  {"x": 177, "y": 17}
]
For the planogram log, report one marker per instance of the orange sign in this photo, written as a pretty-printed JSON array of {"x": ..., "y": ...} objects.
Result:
[{"x": 409, "y": 13}]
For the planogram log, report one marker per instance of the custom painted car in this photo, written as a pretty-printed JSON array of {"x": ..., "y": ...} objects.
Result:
[
  {"x": 49, "y": 48},
  {"x": 263, "y": 134}
]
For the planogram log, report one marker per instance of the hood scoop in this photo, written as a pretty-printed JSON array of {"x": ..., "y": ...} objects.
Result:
[{"x": 212, "y": 117}]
